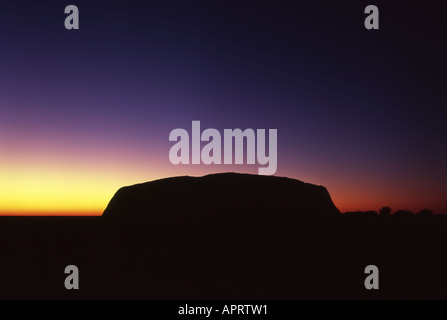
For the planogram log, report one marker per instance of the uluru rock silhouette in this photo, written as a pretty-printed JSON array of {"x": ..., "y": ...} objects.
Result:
[
  {"x": 218, "y": 236},
  {"x": 222, "y": 196}
]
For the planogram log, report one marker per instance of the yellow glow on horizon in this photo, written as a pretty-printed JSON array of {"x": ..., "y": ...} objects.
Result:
[{"x": 59, "y": 191}]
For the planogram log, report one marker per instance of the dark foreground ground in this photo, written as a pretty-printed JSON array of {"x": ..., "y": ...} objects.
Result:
[{"x": 219, "y": 259}]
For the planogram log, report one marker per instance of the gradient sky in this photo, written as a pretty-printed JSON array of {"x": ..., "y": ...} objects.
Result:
[{"x": 86, "y": 111}]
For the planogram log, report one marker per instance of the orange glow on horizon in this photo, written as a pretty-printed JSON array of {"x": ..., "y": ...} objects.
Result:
[{"x": 58, "y": 185}]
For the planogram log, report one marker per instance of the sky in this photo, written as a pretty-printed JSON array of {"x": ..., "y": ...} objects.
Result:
[{"x": 85, "y": 112}]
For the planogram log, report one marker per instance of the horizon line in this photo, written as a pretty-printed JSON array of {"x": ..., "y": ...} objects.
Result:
[{"x": 51, "y": 214}]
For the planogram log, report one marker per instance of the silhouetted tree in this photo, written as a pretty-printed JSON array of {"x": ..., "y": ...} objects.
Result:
[
  {"x": 385, "y": 211},
  {"x": 403, "y": 213},
  {"x": 425, "y": 213}
]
